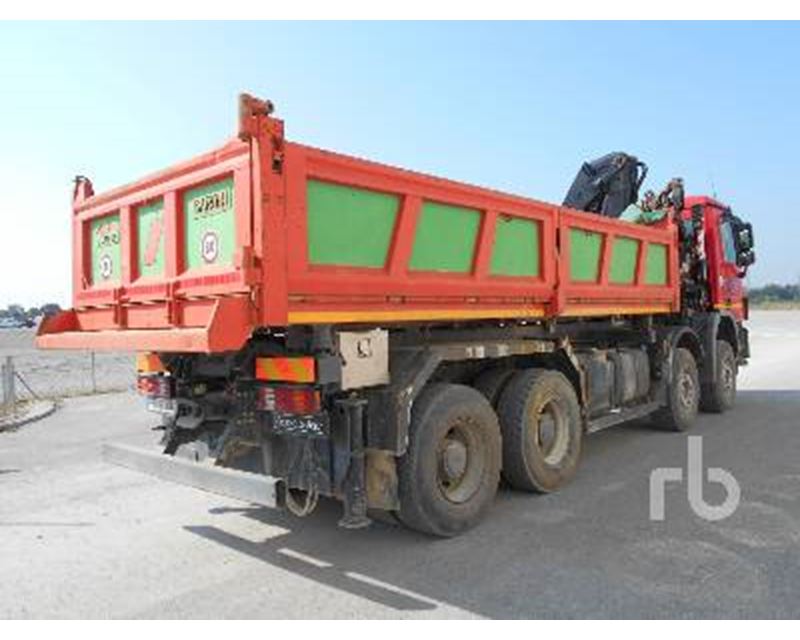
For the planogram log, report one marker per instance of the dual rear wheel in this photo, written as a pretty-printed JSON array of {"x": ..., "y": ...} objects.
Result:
[
  {"x": 540, "y": 424},
  {"x": 542, "y": 430},
  {"x": 449, "y": 475}
]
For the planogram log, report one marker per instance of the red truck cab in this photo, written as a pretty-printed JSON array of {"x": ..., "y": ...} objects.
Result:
[{"x": 727, "y": 247}]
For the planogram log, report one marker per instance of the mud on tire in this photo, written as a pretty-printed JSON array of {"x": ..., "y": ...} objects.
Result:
[
  {"x": 542, "y": 431},
  {"x": 683, "y": 394},
  {"x": 720, "y": 395},
  {"x": 449, "y": 475},
  {"x": 492, "y": 381}
]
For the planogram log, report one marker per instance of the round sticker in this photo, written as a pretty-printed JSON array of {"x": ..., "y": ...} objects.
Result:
[
  {"x": 106, "y": 266},
  {"x": 210, "y": 246}
]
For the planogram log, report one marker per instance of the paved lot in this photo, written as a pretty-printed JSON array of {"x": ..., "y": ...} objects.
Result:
[{"x": 79, "y": 538}]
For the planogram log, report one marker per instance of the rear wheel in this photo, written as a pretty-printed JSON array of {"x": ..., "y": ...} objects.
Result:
[
  {"x": 720, "y": 395},
  {"x": 683, "y": 394},
  {"x": 542, "y": 433},
  {"x": 448, "y": 477},
  {"x": 491, "y": 383}
]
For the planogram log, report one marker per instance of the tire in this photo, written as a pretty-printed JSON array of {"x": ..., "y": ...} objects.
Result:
[
  {"x": 542, "y": 433},
  {"x": 720, "y": 396},
  {"x": 388, "y": 518},
  {"x": 491, "y": 383},
  {"x": 683, "y": 394},
  {"x": 449, "y": 474}
]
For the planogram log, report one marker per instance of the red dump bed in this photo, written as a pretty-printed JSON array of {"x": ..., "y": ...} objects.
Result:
[{"x": 264, "y": 232}]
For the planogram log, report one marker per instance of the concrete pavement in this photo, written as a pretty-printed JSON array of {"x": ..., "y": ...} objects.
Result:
[{"x": 79, "y": 538}]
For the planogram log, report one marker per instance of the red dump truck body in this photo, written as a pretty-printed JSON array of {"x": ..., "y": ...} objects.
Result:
[{"x": 265, "y": 232}]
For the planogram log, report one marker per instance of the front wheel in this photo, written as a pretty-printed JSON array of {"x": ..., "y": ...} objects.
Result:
[
  {"x": 720, "y": 395},
  {"x": 449, "y": 474},
  {"x": 683, "y": 394}
]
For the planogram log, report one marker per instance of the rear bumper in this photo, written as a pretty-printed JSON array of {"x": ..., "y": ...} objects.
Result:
[
  {"x": 241, "y": 485},
  {"x": 225, "y": 325}
]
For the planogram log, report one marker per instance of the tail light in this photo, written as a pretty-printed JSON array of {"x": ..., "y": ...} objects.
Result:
[
  {"x": 149, "y": 363},
  {"x": 295, "y": 400},
  {"x": 154, "y": 386}
]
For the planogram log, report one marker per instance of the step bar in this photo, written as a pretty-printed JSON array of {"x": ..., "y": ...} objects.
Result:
[{"x": 242, "y": 485}]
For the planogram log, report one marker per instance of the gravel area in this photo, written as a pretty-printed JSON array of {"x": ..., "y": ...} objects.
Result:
[{"x": 64, "y": 373}]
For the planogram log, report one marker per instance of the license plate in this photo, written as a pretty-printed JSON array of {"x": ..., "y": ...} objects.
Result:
[
  {"x": 164, "y": 406},
  {"x": 291, "y": 425}
]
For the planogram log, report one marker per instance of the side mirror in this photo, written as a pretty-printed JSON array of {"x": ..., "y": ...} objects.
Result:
[
  {"x": 743, "y": 236},
  {"x": 745, "y": 259},
  {"x": 743, "y": 241}
]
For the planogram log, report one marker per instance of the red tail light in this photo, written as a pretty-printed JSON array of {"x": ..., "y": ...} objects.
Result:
[
  {"x": 296, "y": 400},
  {"x": 154, "y": 386}
]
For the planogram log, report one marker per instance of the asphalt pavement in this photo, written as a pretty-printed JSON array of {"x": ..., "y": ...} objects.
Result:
[{"x": 81, "y": 538}]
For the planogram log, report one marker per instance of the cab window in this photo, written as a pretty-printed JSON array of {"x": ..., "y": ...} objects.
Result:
[{"x": 728, "y": 245}]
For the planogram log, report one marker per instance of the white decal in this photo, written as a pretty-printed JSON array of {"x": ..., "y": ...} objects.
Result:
[
  {"x": 210, "y": 246},
  {"x": 106, "y": 266}
]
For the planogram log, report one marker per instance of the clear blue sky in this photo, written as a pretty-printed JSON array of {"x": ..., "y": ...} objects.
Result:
[{"x": 516, "y": 107}]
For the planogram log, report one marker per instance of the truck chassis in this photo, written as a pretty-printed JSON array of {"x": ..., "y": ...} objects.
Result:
[{"x": 462, "y": 405}]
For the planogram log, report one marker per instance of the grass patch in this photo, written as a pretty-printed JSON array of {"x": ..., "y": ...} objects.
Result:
[{"x": 776, "y": 305}]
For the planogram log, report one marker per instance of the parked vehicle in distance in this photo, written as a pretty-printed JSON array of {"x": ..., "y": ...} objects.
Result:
[
  {"x": 398, "y": 341},
  {"x": 13, "y": 323}
]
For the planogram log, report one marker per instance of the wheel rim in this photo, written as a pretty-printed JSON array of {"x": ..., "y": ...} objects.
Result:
[
  {"x": 727, "y": 376},
  {"x": 687, "y": 391},
  {"x": 549, "y": 431},
  {"x": 461, "y": 463}
]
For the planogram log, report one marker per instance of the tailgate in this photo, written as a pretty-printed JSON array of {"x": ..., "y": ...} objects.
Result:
[{"x": 166, "y": 263}]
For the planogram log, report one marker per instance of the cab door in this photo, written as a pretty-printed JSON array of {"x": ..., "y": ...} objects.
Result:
[{"x": 727, "y": 290}]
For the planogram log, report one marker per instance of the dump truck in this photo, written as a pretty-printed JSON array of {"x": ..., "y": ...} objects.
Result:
[{"x": 312, "y": 324}]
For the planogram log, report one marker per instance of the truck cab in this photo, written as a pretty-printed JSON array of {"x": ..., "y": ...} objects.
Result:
[{"x": 727, "y": 248}]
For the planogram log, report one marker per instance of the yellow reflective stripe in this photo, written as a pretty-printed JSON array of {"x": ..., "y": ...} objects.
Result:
[
  {"x": 582, "y": 311},
  {"x": 422, "y": 315},
  {"x": 410, "y": 315}
]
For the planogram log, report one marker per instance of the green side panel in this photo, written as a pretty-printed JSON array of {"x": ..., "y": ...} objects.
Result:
[
  {"x": 656, "y": 264},
  {"x": 349, "y": 226},
  {"x": 445, "y": 238},
  {"x": 210, "y": 225},
  {"x": 584, "y": 258},
  {"x": 623, "y": 261},
  {"x": 516, "y": 247},
  {"x": 150, "y": 240},
  {"x": 106, "y": 252}
]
